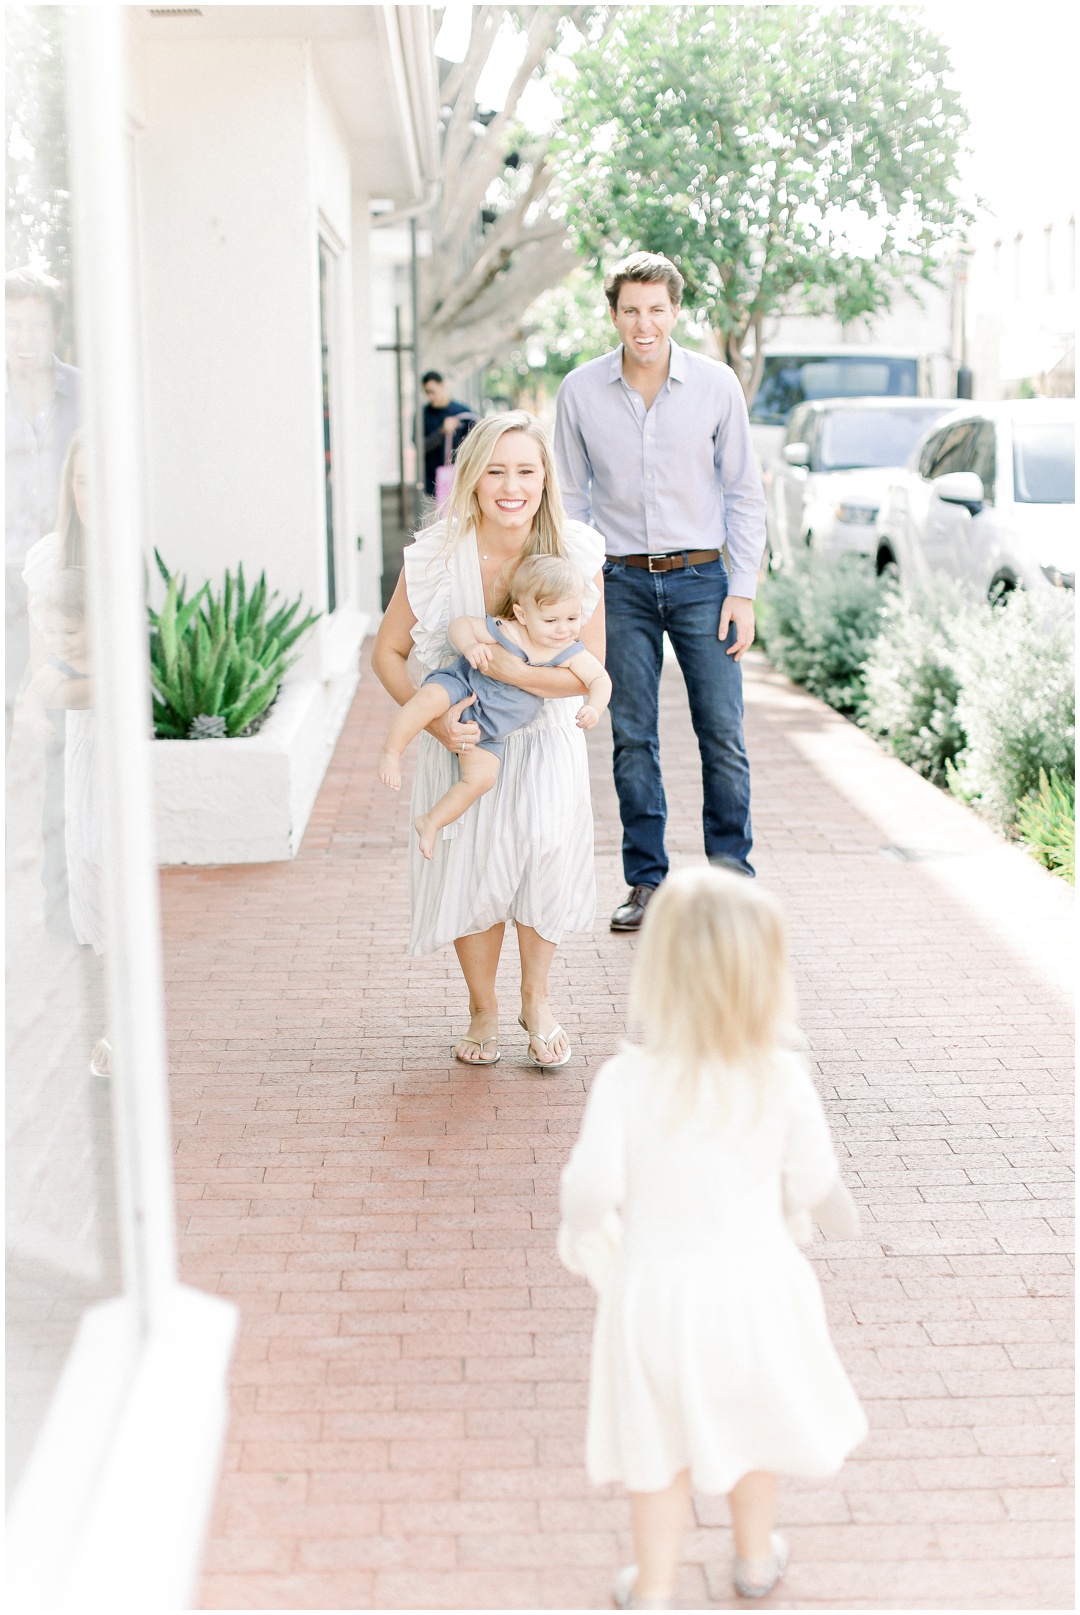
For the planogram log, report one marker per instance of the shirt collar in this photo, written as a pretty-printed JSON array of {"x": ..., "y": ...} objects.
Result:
[{"x": 676, "y": 363}]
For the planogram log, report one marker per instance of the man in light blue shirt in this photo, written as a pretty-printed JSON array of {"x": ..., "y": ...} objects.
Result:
[{"x": 653, "y": 446}]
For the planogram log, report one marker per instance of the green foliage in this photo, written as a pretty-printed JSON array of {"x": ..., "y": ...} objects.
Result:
[
  {"x": 216, "y": 661},
  {"x": 912, "y": 681},
  {"x": 1046, "y": 822},
  {"x": 817, "y": 621},
  {"x": 1016, "y": 704},
  {"x": 768, "y": 150},
  {"x": 38, "y": 202}
]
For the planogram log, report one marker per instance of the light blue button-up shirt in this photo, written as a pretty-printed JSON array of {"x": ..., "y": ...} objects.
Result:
[{"x": 678, "y": 476}]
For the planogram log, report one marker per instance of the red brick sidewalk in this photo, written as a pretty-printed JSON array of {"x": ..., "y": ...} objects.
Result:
[{"x": 408, "y": 1390}]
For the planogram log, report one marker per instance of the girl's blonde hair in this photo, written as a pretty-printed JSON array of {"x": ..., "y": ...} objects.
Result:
[
  {"x": 473, "y": 458},
  {"x": 543, "y": 579},
  {"x": 711, "y": 987}
]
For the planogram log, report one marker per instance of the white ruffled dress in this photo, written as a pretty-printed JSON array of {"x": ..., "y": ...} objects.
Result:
[
  {"x": 711, "y": 1350},
  {"x": 524, "y": 851}
]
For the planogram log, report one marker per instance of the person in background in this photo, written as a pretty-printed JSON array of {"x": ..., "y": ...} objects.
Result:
[
  {"x": 446, "y": 421},
  {"x": 704, "y": 1153},
  {"x": 41, "y": 410},
  {"x": 653, "y": 445}
]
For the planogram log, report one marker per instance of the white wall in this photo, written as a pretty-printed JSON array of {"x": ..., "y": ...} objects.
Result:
[{"x": 239, "y": 163}]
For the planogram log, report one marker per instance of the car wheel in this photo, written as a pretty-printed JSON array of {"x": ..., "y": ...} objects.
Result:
[
  {"x": 1000, "y": 590},
  {"x": 887, "y": 568}
]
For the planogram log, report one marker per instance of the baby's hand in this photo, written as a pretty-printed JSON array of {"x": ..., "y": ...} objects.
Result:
[
  {"x": 479, "y": 656},
  {"x": 588, "y": 718}
]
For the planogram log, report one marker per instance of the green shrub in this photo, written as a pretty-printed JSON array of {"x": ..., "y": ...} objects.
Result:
[
  {"x": 818, "y": 618},
  {"x": 1016, "y": 703},
  {"x": 1046, "y": 822},
  {"x": 912, "y": 681},
  {"x": 216, "y": 661}
]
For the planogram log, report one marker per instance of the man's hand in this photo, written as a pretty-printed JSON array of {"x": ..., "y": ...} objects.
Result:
[
  {"x": 740, "y": 611},
  {"x": 450, "y": 425}
]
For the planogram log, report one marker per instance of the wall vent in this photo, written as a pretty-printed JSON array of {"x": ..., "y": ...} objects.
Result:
[{"x": 175, "y": 11}]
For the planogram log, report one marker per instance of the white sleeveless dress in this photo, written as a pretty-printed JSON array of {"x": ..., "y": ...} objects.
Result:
[{"x": 524, "y": 851}]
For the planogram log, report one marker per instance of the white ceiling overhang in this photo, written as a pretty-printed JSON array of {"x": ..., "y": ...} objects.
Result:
[{"x": 375, "y": 63}]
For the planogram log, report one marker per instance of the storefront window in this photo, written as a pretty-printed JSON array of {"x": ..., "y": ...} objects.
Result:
[{"x": 63, "y": 1241}]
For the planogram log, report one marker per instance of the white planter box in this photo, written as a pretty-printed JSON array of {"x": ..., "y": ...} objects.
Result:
[{"x": 249, "y": 801}]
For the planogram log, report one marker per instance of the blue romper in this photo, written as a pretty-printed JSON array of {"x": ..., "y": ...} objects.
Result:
[{"x": 499, "y": 708}]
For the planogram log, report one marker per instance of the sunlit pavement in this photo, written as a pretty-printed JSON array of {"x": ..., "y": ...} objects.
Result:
[{"x": 408, "y": 1390}]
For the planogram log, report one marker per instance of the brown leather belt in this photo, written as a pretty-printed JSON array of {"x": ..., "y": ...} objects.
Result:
[{"x": 673, "y": 562}]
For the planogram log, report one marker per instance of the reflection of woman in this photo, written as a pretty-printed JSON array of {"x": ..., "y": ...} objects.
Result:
[
  {"x": 524, "y": 851},
  {"x": 55, "y": 579}
]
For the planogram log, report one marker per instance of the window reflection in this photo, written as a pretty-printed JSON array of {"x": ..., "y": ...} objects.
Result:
[{"x": 62, "y": 1242}]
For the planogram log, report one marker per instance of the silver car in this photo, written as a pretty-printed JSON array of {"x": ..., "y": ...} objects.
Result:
[
  {"x": 990, "y": 500},
  {"x": 837, "y": 460}
]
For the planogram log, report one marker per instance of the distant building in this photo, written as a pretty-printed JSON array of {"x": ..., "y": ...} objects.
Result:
[{"x": 1021, "y": 306}]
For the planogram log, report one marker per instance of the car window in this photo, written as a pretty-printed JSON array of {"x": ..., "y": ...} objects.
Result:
[
  {"x": 853, "y": 438},
  {"x": 953, "y": 449},
  {"x": 795, "y": 426},
  {"x": 984, "y": 458},
  {"x": 929, "y": 451},
  {"x": 788, "y": 380},
  {"x": 1044, "y": 463}
]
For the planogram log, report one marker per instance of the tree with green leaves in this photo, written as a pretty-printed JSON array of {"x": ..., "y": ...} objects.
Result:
[
  {"x": 782, "y": 156},
  {"x": 38, "y": 203}
]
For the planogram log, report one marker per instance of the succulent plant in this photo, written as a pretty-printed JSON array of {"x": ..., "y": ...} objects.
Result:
[{"x": 216, "y": 661}]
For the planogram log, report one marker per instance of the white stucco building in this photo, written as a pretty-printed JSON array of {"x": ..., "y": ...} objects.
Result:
[
  {"x": 222, "y": 164},
  {"x": 261, "y": 137}
]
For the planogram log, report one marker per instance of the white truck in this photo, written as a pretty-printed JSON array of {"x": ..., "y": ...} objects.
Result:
[{"x": 794, "y": 373}]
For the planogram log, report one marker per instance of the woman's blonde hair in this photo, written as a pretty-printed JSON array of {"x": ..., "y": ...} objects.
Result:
[
  {"x": 543, "y": 579},
  {"x": 474, "y": 457},
  {"x": 68, "y": 521},
  {"x": 711, "y": 987}
]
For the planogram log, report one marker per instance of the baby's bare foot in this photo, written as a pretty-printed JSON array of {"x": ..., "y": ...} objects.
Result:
[
  {"x": 427, "y": 833},
  {"x": 389, "y": 770}
]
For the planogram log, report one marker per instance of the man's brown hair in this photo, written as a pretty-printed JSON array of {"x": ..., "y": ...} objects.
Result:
[
  {"x": 31, "y": 282},
  {"x": 646, "y": 268}
]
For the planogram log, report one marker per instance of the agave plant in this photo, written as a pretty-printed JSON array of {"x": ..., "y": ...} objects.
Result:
[{"x": 216, "y": 661}]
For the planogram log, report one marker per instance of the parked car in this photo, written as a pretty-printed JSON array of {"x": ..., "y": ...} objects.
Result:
[
  {"x": 990, "y": 499},
  {"x": 836, "y": 462},
  {"x": 793, "y": 376}
]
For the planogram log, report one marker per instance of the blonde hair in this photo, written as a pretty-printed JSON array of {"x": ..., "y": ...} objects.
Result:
[
  {"x": 68, "y": 521},
  {"x": 540, "y": 578},
  {"x": 473, "y": 458},
  {"x": 63, "y": 592},
  {"x": 711, "y": 988}
]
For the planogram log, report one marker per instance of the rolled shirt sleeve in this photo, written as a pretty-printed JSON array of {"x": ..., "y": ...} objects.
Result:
[
  {"x": 575, "y": 472},
  {"x": 744, "y": 497}
]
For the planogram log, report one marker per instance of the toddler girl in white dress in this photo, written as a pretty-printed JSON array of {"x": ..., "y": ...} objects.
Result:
[{"x": 703, "y": 1154}]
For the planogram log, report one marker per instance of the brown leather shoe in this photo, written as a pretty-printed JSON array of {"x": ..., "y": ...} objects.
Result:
[{"x": 629, "y": 915}]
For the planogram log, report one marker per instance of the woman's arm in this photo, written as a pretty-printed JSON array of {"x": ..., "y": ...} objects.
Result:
[
  {"x": 389, "y": 661},
  {"x": 553, "y": 683}
]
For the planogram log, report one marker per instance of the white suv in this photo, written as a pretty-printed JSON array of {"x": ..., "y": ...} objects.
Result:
[{"x": 990, "y": 499}]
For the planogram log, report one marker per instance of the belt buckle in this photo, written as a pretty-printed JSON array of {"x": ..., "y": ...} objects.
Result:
[{"x": 657, "y": 568}]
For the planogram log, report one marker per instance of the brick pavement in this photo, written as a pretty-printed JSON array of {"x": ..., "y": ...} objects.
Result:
[{"x": 409, "y": 1383}]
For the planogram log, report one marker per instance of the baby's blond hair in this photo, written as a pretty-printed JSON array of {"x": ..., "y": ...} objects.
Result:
[
  {"x": 542, "y": 579},
  {"x": 711, "y": 988}
]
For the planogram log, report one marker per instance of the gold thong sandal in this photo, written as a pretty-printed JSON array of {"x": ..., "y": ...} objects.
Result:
[
  {"x": 480, "y": 1043},
  {"x": 543, "y": 1065}
]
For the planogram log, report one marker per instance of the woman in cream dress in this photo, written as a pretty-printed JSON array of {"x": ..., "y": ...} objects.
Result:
[{"x": 524, "y": 851}]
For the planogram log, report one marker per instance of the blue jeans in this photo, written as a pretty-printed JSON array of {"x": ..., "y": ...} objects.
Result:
[{"x": 686, "y": 604}]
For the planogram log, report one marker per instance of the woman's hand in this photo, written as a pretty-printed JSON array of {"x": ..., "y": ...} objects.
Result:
[{"x": 450, "y": 732}]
